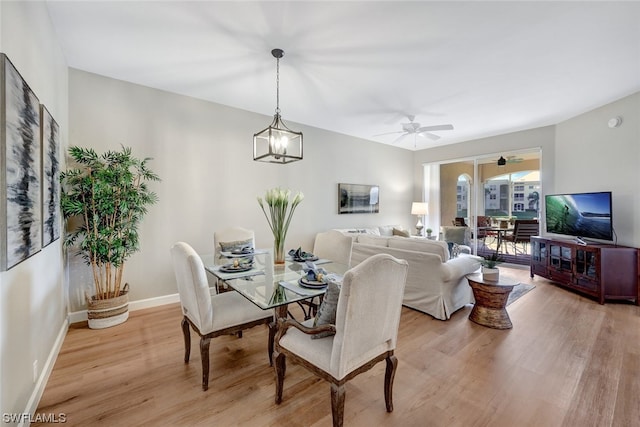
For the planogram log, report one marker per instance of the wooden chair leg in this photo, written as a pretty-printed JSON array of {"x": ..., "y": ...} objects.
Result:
[
  {"x": 389, "y": 375},
  {"x": 337, "y": 404},
  {"x": 187, "y": 339},
  {"x": 281, "y": 367},
  {"x": 272, "y": 337},
  {"x": 204, "y": 355}
]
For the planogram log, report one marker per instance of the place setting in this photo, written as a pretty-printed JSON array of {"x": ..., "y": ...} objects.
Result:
[
  {"x": 239, "y": 252},
  {"x": 237, "y": 266},
  {"x": 315, "y": 278},
  {"x": 298, "y": 255},
  {"x": 314, "y": 281}
]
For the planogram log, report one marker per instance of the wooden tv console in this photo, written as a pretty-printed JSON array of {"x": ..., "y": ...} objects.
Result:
[{"x": 602, "y": 271}]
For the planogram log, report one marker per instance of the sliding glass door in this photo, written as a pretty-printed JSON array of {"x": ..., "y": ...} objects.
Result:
[{"x": 498, "y": 189}]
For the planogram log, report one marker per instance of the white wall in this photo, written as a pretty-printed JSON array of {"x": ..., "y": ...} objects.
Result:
[
  {"x": 593, "y": 157},
  {"x": 203, "y": 153},
  {"x": 33, "y": 305}
]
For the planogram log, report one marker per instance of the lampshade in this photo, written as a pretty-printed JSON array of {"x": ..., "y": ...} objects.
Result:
[
  {"x": 419, "y": 208},
  {"x": 277, "y": 143}
]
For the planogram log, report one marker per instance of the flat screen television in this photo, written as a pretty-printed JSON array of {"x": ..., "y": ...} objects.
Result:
[{"x": 582, "y": 215}]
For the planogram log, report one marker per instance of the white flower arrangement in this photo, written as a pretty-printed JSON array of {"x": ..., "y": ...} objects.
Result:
[{"x": 281, "y": 211}]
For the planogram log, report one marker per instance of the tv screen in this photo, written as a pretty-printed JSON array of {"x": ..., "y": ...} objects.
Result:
[{"x": 584, "y": 215}]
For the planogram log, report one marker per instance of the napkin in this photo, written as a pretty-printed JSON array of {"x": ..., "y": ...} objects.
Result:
[
  {"x": 312, "y": 270},
  {"x": 299, "y": 254},
  {"x": 243, "y": 250}
]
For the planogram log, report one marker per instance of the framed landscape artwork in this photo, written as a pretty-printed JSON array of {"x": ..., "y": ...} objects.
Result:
[
  {"x": 20, "y": 213},
  {"x": 358, "y": 198},
  {"x": 50, "y": 138}
]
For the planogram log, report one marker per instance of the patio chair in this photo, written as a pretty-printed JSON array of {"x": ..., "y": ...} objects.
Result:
[
  {"x": 459, "y": 222},
  {"x": 483, "y": 225},
  {"x": 522, "y": 232}
]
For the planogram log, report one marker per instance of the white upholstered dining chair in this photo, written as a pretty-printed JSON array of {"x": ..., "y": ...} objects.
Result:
[
  {"x": 333, "y": 245},
  {"x": 228, "y": 239},
  {"x": 211, "y": 316},
  {"x": 233, "y": 236},
  {"x": 367, "y": 318}
]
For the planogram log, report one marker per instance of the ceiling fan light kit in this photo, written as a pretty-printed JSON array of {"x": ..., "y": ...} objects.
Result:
[
  {"x": 502, "y": 161},
  {"x": 277, "y": 143}
]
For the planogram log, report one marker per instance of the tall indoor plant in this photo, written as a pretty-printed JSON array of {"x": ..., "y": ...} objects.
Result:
[
  {"x": 109, "y": 195},
  {"x": 281, "y": 211}
]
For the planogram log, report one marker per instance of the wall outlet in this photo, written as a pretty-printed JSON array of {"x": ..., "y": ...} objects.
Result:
[{"x": 35, "y": 370}]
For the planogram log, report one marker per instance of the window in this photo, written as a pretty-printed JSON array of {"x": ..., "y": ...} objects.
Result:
[
  {"x": 518, "y": 196},
  {"x": 518, "y": 207},
  {"x": 518, "y": 188}
]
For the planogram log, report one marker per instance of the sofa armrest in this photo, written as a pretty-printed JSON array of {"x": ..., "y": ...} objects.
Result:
[{"x": 461, "y": 266}]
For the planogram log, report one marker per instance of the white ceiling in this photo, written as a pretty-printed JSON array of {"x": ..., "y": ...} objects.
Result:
[{"x": 359, "y": 68}]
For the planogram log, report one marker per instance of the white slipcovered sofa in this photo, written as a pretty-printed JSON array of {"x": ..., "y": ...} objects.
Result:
[
  {"x": 436, "y": 283},
  {"x": 382, "y": 230}
]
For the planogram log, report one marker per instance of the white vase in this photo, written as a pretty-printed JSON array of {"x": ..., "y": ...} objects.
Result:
[{"x": 490, "y": 273}]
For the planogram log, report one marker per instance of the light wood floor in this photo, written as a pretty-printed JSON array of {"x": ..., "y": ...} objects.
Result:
[{"x": 568, "y": 361}]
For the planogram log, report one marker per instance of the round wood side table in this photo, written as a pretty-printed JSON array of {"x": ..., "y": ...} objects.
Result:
[{"x": 491, "y": 300}]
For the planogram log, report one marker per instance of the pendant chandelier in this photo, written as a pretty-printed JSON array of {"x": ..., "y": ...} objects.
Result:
[{"x": 277, "y": 143}]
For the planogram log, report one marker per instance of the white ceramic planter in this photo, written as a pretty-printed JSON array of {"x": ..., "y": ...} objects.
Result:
[{"x": 490, "y": 273}]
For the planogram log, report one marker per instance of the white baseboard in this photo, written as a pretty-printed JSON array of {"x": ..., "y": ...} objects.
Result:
[
  {"x": 81, "y": 316},
  {"x": 38, "y": 390}
]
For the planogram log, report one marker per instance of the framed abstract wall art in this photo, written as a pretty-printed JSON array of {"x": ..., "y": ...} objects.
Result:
[
  {"x": 50, "y": 137},
  {"x": 20, "y": 204},
  {"x": 358, "y": 198}
]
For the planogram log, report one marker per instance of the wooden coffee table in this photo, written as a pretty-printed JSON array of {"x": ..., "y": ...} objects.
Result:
[{"x": 491, "y": 299}]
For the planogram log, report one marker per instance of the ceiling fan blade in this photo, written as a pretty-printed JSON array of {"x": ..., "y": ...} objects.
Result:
[
  {"x": 400, "y": 138},
  {"x": 436, "y": 127},
  {"x": 389, "y": 133},
  {"x": 431, "y": 136}
]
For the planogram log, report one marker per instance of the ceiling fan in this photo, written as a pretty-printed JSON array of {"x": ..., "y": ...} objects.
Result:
[
  {"x": 510, "y": 159},
  {"x": 414, "y": 128}
]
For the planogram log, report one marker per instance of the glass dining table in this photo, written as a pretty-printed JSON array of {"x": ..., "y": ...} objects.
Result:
[{"x": 267, "y": 285}]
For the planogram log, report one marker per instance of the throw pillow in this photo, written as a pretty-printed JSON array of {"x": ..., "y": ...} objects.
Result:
[
  {"x": 402, "y": 233},
  {"x": 237, "y": 245},
  {"x": 326, "y": 314},
  {"x": 459, "y": 235}
]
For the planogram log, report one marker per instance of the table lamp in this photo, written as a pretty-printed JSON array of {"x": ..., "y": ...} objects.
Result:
[{"x": 419, "y": 209}]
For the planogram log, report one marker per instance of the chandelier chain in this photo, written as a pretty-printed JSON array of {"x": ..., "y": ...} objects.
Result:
[{"x": 278, "y": 86}]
